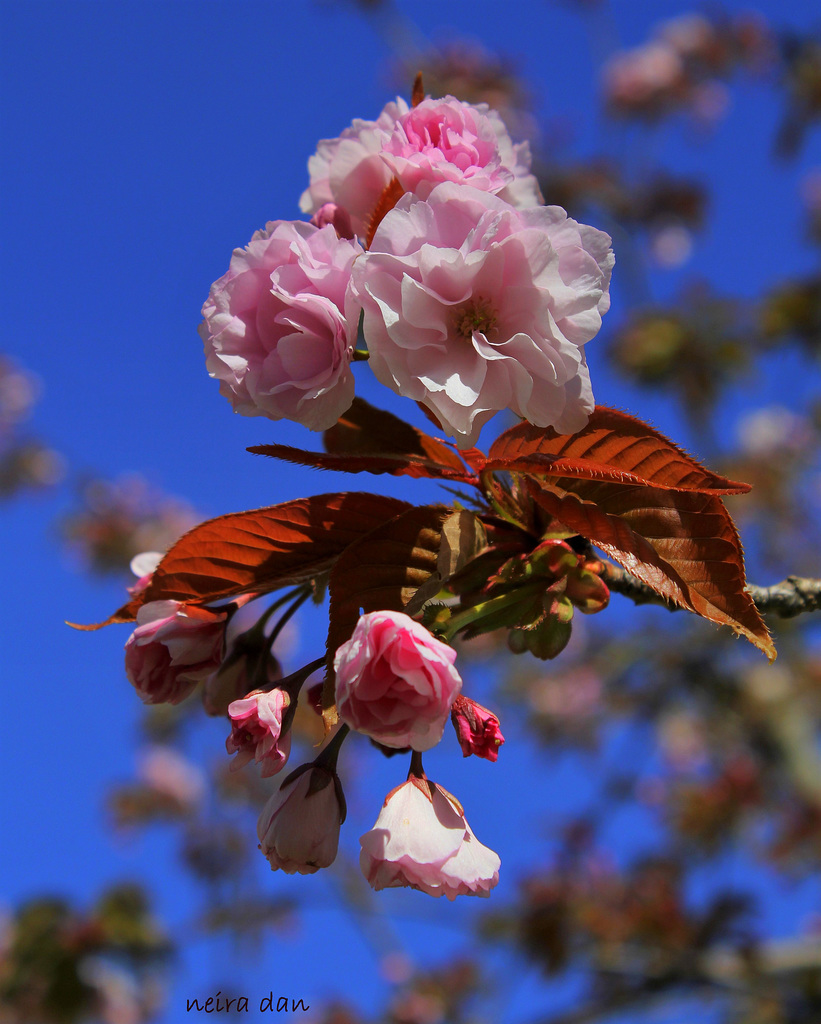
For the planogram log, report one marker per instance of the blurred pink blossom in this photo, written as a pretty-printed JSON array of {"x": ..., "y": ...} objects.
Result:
[
  {"x": 671, "y": 244},
  {"x": 19, "y": 390},
  {"x": 774, "y": 431},
  {"x": 169, "y": 773},
  {"x": 396, "y": 967},
  {"x": 681, "y": 736},
  {"x": 646, "y": 78},
  {"x": 120, "y": 997},
  {"x": 690, "y": 35},
  {"x": 395, "y": 681},
  {"x": 576, "y": 693},
  {"x": 710, "y": 101},
  {"x": 121, "y": 518}
]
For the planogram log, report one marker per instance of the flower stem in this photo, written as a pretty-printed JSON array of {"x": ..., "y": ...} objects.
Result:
[
  {"x": 327, "y": 758},
  {"x": 255, "y": 633},
  {"x": 476, "y": 612},
  {"x": 302, "y": 596},
  {"x": 416, "y": 768}
]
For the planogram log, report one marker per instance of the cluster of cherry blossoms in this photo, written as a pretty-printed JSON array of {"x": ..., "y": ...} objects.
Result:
[
  {"x": 395, "y": 682},
  {"x": 428, "y": 230},
  {"x": 428, "y": 225}
]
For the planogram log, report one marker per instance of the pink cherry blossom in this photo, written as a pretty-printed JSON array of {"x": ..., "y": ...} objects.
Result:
[
  {"x": 692, "y": 36},
  {"x": 448, "y": 140},
  {"x": 256, "y": 731},
  {"x": 477, "y": 729},
  {"x": 421, "y": 840},
  {"x": 395, "y": 681},
  {"x": 299, "y": 826},
  {"x": 280, "y": 326},
  {"x": 349, "y": 171},
  {"x": 173, "y": 647},
  {"x": 472, "y": 306},
  {"x": 438, "y": 140}
]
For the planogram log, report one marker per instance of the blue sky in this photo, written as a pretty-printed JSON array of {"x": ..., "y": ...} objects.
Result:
[{"x": 146, "y": 140}]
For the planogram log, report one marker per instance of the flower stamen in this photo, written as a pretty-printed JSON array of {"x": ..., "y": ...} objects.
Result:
[{"x": 476, "y": 316}]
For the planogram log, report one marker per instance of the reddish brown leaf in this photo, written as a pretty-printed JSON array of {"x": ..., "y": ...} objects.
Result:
[
  {"x": 463, "y": 537},
  {"x": 381, "y": 571},
  {"x": 475, "y": 458},
  {"x": 683, "y": 544},
  {"x": 366, "y": 430},
  {"x": 256, "y": 551},
  {"x": 613, "y": 447},
  {"x": 395, "y": 464},
  {"x": 110, "y": 621},
  {"x": 391, "y": 195}
]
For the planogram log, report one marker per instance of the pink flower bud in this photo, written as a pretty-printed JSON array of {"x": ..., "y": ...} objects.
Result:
[
  {"x": 421, "y": 840},
  {"x": 477, "y": 729},
  {"x": 256, "y": 731},
  {"x": 338, "y": 216},
  {"x": 299, "y": 826},
  {"x": 173, "y": 647},
  {"x": 395, "y": 681}
]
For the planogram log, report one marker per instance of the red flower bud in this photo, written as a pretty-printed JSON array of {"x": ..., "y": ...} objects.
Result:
[{"x": 477, "y": 729}]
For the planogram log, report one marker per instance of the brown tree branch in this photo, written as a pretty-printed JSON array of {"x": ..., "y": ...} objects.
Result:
[{"x": 792, "y": 596}]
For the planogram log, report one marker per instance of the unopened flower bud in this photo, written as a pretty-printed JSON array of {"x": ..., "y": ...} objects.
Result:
[
  {"x": 338, "y": 216},
  {"x": 299, "y": 826},
  {"x": 172, "y": 649},
  {"x": 477, "y": 729}
]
